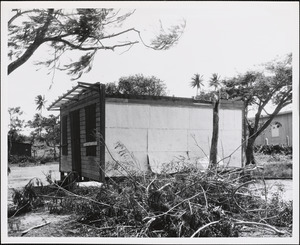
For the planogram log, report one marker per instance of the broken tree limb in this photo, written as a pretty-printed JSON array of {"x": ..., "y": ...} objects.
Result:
[
  {"x": 203, "y": 227},
  {"x": 34, "y": 227},
  {"x": 162, "y": 214},
  {"x": 241, "y": 222}
]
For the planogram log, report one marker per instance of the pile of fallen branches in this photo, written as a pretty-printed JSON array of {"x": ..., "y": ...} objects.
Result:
[{"x": 190, "y": 204}]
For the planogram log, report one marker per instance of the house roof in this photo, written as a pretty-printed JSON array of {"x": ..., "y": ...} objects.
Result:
[
  {"x": 75, "y": 92},
  {"x": 280, "y": 113},
  {"x": 72, "y": 95}
]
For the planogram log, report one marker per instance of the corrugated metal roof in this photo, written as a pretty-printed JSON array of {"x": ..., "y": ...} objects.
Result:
[
  {"x": 279, "y": 113},
  {"x": 72, "y": 95}
]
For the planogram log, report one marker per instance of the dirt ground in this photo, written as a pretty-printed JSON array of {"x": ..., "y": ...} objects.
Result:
[
  {"x": 59, "y": 225},
  {"x": 17, "y": 225},
  {"x": 20, "y": 176}
]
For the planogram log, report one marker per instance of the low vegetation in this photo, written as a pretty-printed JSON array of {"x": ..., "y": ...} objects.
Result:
[
  {"x": 275, "y": 166},
  {"x": 15, "y": 159},
  {"x": 274, "y": 149}
]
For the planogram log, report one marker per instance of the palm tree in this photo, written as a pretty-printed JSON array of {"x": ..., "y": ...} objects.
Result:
[
  {"x": 214, "y": 81},
  {"x": 40, "y": 102},
  {"x": 197, "y": 81}
]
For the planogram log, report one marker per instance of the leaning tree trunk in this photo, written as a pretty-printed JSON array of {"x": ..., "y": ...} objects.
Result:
[
  {"x": 215, "y": 136},
  {"x": 250, "y": 151}
]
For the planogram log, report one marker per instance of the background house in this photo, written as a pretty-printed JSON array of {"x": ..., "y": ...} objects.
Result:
[{"x": 279, "y": 132}]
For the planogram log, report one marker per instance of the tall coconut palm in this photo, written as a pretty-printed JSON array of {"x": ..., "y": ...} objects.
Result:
[
  {"x": 40, "y": 102},
  {"x": 215, "y": 81},
  {"x": 197, "y": 81}
]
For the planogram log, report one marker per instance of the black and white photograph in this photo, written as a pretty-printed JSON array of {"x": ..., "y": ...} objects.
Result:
[{"x": 140, "y": 122}]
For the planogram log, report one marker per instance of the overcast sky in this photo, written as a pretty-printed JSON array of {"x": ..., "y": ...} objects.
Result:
[{"x": 220, "y": 37}]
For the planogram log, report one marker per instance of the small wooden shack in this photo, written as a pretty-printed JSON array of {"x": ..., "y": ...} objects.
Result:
[
  {"x": 105, "y": 135},
  {"x": 20, "y": 148}
]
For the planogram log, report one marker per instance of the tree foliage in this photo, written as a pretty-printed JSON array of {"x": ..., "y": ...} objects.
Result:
[
  {"x": 258, "y": 89},
  {"x": 197, "y": 82},
  {"x": 36, "y": 124},
  {"x": 210, "y": 95},
  {"x": 84, "y": 30},
  {"x": 40, "y": 102},
  {"x": 15, "y": 124},
  {"x": 138, "y": 85},
  {"x": 215, "y": 81},
  {"x": 46, "y": 129}
]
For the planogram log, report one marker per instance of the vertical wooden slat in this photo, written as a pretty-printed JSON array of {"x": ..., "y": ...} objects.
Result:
[
  {"x": 244, "y": 137},
  {"x": 60, "y": 148},
  {"x": 64, "y": 132},
  {"x": 75, "y": 141},
  {"x": 102, "y": 131},
  {"x": 90, "y": 126}
]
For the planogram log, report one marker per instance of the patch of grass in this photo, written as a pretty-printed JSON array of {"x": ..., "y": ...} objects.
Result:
[
  {"x": 278, "y": 170},
  {"x": 14, "y": 159},
  {"x": 275, "y": 166}
]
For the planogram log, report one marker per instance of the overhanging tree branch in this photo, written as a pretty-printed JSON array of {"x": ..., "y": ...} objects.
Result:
[
  {"x": 79, "y": 47},
  {"x": 19, "y": 13},
  {"x": 34, "y": 46},
  {"x": 78, "y": 29}
]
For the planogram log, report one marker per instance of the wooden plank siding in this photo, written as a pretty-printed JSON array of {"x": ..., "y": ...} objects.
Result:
[{"x": 89, "y": 164}]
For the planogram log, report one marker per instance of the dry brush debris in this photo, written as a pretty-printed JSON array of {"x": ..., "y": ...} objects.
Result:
[{"x": 188, "y": 204}]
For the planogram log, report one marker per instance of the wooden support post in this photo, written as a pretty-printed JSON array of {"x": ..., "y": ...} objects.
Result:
[
  {"x": 266, "y": 141},
  {"x": 102, "y": 132},
  {"x": 287, "y": 140},
  {"x": 62, "y": 176},
  {"x": 244, "y": 136}
]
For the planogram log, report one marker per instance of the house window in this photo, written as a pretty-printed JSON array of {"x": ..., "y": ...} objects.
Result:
[
  {"x": 90, "y": 129},
  {"x": 64, "y": 141},
  {"x": 275, "y": 129}
]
